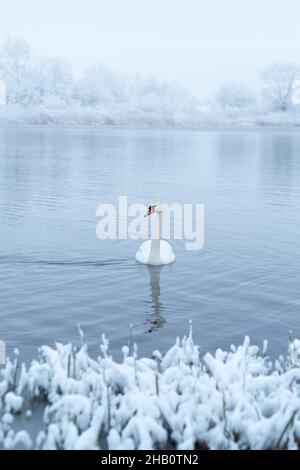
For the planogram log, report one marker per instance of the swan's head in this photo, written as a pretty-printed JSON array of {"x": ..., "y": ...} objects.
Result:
[{"x": 154, "y": 208}]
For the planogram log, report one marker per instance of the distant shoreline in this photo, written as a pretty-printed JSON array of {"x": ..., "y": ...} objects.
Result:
[{"x": 123, "y": 117}]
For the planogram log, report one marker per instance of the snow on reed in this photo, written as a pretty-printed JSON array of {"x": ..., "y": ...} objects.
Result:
[{"x": 231, "y": 400}]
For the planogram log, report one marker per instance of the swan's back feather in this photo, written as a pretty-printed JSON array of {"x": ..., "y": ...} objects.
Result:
[{"x": 166, "y": 254}]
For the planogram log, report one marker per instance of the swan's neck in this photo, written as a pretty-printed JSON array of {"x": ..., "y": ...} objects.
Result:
[{"x": 155, "y": 237}]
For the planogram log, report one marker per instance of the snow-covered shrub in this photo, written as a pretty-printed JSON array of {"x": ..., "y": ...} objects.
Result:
[{"x": 235, "y": 399}]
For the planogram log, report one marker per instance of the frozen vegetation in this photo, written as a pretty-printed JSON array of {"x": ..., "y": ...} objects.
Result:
[
  {"x": 123, "y": 115},
  {"x": 235, "y": 399},
  {"x": 44, "y": 90}
]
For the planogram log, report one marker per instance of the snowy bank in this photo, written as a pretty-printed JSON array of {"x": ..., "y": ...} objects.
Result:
[
  {"x": 124, "y": 115},
  {"x": 231, "y": 400}
]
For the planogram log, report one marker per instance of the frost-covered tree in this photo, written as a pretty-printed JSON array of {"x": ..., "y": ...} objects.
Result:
[
  {"x": 151, "y": 95},
  {"x": 234, "y": 95},
  {"x": 99, "y": 85},
  {"x": 33, "y": 80},
  {"x": 49, "y": 81},
  {"x": 2, "y": 93},
  {"x": 15, "y": 56},
  {"x": 278, "y": 81}
]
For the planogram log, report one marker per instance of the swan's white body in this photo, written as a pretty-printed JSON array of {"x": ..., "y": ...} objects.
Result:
[
  {"x": 155, "y": 252},
  {"x": 149, "y": 253}
]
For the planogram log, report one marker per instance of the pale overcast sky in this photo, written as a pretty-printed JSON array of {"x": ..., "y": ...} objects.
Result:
[{"x": 196, "y": 42}]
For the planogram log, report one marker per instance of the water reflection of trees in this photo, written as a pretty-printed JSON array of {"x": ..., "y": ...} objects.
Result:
[
  {"x": 277, "y": 162},
  {"x": 266, "y": 160}
]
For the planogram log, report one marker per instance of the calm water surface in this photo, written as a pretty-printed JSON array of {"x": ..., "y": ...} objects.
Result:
[{"x": 55, "y": 273}]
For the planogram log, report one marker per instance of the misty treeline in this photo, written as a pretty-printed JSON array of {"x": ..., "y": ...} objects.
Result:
[
  {"x": 32, "y": 80},
  {"x": 49, "y": 82}
]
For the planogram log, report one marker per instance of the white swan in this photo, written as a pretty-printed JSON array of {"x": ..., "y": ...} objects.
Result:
[{"x": 155, "y": 252}]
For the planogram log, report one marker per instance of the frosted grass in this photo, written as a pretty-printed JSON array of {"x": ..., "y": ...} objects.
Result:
[{"x": 125, "y": 115}]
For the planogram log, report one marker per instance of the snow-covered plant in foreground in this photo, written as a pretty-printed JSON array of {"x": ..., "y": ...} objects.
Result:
[{"x": 233, "y": 400}]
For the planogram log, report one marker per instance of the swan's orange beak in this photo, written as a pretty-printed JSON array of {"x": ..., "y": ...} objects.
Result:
[{"x": 149, "y": 212}]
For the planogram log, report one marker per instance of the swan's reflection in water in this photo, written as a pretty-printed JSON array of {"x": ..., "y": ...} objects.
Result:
[{"x": 154, "y": 318}]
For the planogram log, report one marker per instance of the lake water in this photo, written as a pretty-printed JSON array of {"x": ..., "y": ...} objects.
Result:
[{"x": 55, "y": 273}]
